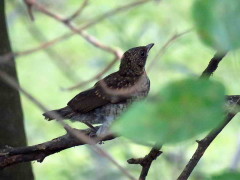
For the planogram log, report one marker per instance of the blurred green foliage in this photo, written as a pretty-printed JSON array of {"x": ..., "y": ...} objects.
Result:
[
  {"x": 154, "y": 22},
  {"x": 196, "y": 104},
  {"x": 218, "y": 23},
  {"x": 226, "y": 176}
]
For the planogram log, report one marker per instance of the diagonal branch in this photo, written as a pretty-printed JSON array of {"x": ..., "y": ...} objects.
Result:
[
  {"x": 29, "y": 8},
  {"x": 114, "y": 11},
  {"x": 74, "y": 29},
  {"x": 166, "y": 45},
  {"x": 78, "y": 11},
  {"x": 213, "y": 64},
  {"x": 45, "y": 45},
  {"x": 204, "y": 143},
  {"x": 96, "y": 77},
  {"x": 202, "y": 147}
]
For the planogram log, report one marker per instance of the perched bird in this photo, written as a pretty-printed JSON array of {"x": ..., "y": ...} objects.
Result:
[{"x": 109, "y": 97}]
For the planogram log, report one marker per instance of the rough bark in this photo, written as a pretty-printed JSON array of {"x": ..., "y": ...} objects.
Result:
[{"x": 11, "y": 122}]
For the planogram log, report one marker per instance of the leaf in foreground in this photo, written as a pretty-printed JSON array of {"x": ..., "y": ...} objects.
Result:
[
  {"x": 227, "y": 176},
  {"x": 218, "y": 23},
  {"x": 180, "y": 111}
]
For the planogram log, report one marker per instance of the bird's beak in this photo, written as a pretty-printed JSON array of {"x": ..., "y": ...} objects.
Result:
[{"x": 149, "y": 46}]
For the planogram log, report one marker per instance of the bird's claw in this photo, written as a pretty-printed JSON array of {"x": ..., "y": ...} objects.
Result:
[{"x": 93, "y": 134}]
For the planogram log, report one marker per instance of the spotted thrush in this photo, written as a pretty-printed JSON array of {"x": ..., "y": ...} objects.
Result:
[{"x": 109, "y": 97}]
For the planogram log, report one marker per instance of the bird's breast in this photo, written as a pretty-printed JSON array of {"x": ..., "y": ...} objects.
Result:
[{"x": 142, "y": 88}]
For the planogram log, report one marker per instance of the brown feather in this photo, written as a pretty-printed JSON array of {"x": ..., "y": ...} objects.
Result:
[
  {"x": 97, "y": 97},
  {"x": 87, "y": 101}
]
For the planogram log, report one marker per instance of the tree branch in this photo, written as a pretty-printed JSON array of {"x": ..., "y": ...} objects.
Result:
[
  {"x": 146, "y": 161},
  {"x": 204, "y": 143},
  {"x": 202, "y": 146},
  {"x": 213, "y": 64},
  {"x": 39, "y": 152},
  {"x": 77, "y": 12},
  {"x": 81, "y": 32},
  {"x": 94, "y": 78},
  {"x": 29, "y": 8},
  {"x": 114, "y": 11}
]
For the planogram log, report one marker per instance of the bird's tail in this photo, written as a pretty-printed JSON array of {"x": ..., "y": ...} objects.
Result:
[{"x": 63, "y": 112}]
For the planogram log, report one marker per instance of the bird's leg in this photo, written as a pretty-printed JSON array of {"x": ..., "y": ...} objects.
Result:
[
  {"x": 104, "y": 128},
  {"x": 90, "y": 126},
  {"x": 93, "y": 130}
]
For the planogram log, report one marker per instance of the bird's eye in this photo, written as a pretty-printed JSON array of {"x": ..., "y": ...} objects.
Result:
[{"x": 142, "y": 53}]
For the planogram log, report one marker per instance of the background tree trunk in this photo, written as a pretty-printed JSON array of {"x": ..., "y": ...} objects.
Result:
[{"x": 11, "y": 116}]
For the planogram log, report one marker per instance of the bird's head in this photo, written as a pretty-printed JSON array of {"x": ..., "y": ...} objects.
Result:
[{"x": 133, "y": 60}]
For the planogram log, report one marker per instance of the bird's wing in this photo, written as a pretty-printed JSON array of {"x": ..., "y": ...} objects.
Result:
[
  {"x": 93, "y": 98},
  {"x": 88, "y": 100},
  {"x": 98, "y": 95}
]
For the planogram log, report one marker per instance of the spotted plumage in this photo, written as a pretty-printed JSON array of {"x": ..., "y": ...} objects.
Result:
[{"x": 109, "y": 97}]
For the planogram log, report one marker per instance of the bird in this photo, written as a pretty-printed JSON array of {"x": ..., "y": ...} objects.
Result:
[{"x": 110, "y": 96}]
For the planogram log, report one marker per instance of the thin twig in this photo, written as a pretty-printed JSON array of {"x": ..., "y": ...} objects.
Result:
[
  {"x": 68, "y": 35},
  {"x": 202, "y": 146},
  {"x": 77, "y": 12},
  {"x": 166, "y": 45},
  {"x": 61, "y": 62},
  {"x": 55, "y": 56},
  {"x": 146, "y": 161},
  {"x": 213, "y": 64},
  {"x": 94, "y": 78},
  {"x": 45, "y": 45},
  {"x": 78, "y": 135},
  {"x": 114, "y": 11},
  {"x": 29, "y": 8},
  {"x": 91, "y": 39}
]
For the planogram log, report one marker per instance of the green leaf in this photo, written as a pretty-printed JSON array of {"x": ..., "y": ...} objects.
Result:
[
  {"x": 227, "y": 176},
  {"x": 180, "y": 111},
  {"x": 218, "y": 23}
]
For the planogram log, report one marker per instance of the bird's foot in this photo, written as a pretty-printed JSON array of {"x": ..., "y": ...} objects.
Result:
[
  {"x": 93, "y": 130},
  {"x": 92, "y": 134}
]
